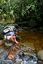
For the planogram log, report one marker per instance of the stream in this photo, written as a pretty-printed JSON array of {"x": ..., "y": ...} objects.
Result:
[{"x": 30, "y": 44}]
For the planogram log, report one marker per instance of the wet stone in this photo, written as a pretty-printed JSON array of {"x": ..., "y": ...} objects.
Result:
[
  {"x": 8, "y": 44},
  {"x": 20, "y": 58},
  {"x": 4, "y": 56},
  {"x": 1, "y": 42},
  {"x": 6, "y": 62},
  {"x": 1, "y": 50},
  {"x": 40, "y": 54},
  {"x": 25, "y": 59}
]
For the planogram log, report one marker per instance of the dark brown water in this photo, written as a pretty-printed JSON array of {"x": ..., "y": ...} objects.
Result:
[{"x": 32, "y": 39}]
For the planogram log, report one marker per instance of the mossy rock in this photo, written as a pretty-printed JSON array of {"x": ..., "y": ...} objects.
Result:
[{"x": 8, "y": 44}]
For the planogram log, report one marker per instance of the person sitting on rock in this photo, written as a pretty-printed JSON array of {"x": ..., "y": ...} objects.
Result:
[{"x": 10, "y": 35}]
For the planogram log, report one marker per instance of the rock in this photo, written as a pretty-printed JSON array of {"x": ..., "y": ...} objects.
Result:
[
  {"x": 40, "y": 54},
  {"x": 1, "y": 42},
  {"x": 1, "y": 50},
  {"x": 6, "y": 62},
  {"x": 8, "y": 44},
  {"x": 26, "y": 59},
  {"x": 4, "y": 55}
]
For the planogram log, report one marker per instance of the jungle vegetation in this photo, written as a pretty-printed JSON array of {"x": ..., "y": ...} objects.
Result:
[{"x": 26, "y": 13}]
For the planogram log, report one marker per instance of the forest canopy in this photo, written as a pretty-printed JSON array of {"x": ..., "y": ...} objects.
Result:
[{"x": 24, "y": 12}]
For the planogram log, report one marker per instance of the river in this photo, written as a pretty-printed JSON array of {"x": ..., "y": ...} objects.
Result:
[{"x": 33, "y": 40}]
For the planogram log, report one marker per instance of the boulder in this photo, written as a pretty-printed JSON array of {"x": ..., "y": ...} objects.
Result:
[
  {"x": 40, "y": 54},
  {"x": 8, "y": 44},
  {"x": 1, "y": 42}
]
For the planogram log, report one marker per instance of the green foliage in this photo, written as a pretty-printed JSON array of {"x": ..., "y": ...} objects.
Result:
[
  {"x": 18, "y": 7},
  {"x": 29, "y": 11}
]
